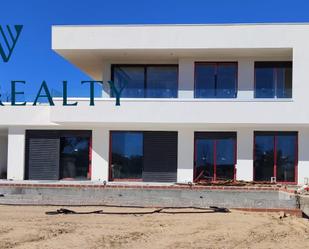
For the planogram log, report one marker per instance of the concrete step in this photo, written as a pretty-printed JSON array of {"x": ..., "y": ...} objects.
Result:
[{"x": 150, "y": 197}]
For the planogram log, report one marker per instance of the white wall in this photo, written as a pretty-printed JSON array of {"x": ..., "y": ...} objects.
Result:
[
  {"x": 185, "y": 155},
  {"x": 244, "y": 167},
  {"x": 186, "y": 78},
  {"x": 100, "y": 154},
  {"x": 246, "y": 78},
  {"x": 303, "y": 155},
  {"x": 16, "y": 153}
]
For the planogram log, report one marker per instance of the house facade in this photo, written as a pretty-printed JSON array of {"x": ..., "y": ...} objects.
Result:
[{"x": 199, "y": 103}]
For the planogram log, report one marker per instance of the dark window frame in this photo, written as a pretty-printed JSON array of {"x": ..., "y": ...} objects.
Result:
[
  {"x": 216, "y": 63},
  {"x": 113, "y": 66},
  {"x": 271, "y": 64},
  {"x": 275, "y": 134},
  {"x": 214, "y": 135},
  {"x": 57, "y": 134}
]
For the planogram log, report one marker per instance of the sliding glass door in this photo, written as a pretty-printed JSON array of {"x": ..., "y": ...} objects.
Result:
[
  {"x": 215, "y": 156},
  {"x": 127, "y": 155},
  {"x": 74, "y": 157},
  {"x": 275, "y": 155},
  {"x": 149, "y": 156},
  {"x": 58, "y": 154},
  {"x": 205, "y": 152}
]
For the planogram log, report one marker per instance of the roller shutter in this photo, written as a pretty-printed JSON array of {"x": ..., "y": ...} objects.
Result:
[
  {"x": 160, "y": 156},
  {"x": 42, "y": 156}
]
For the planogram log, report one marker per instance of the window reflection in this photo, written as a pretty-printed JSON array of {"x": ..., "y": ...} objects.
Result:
[
  {"x": 273, "y": 80},
  {"x": 205, "y": 158},
  {"x": 264, "y": 157},
  {"x": 132, "y": 79},
  {"x": 215, "y": 155},
  {"x": 143, "y": 81},
  {"x": 162, "y": 82},
  {"x": 127, "y": 155},
  {"x": 286, "y": 157},
  {"x": 216, "y": 80},
  {"x": 275, "y": 155},
  {"x": 74, "y": 157},
  {"x": 225, "y": 159}
]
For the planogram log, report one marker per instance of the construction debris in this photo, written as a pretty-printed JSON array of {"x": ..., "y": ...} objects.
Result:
[
  {"x": 282, "y": 215},
  {"x": 303, "y": 189},
  {"x": 164, "y": 210},
  {"x": 204, "y": 182}
]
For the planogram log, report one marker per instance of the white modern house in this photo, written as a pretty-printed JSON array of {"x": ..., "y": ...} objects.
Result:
[{"x": 200, "y": 103}]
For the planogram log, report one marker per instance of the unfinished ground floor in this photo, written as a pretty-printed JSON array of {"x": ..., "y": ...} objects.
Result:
[{"x": 155, "y": 154}]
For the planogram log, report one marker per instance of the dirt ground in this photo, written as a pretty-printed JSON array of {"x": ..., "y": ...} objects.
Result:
[{"x": 30, "y": 227}]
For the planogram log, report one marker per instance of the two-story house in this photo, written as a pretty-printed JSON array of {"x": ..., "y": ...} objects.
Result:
[{"x": 200, "y": 102}]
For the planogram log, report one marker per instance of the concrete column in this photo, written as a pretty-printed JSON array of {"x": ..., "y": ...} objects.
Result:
[
  {"x": 244, "y": 155},
  {"x": 185, "y": 155},
  {"x": 16, "y": 153},
  {"x": 245, "y": 78},
  {"x": 303, "y": 155},
  {"x": 106, "y": 77},
  {"x": 100, "y": 154},
  {"x": 186, "y": 78}
]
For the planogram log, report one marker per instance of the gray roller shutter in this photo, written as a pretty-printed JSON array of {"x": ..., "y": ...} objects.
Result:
[
  {"x": 42, "y": 157},
  {"x": 160, "y": 156}
]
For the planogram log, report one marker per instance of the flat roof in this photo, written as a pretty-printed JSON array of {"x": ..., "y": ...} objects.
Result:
[{"x": 90, "y": 46}]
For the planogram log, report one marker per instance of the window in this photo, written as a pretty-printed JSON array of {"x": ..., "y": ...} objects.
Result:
[
  {"x": 58, "y": 154},
  {"x": 215, "y": 156},
  {"x": 273, "y": 79},
  {"x": 142, "y": 81},
  {"x": 74, "y": 157},
  {"x": 275, "y": 154},
  {"x": 127, "y": 155},
  {"x": 216, "y": 80},
  {"x": 149, "y": 156}
]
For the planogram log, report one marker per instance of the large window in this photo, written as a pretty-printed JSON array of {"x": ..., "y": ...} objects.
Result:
[
  {"x": 149, "y": 156},
  {"x": 58, "y": 154},
  {"x": 146, "y": 81},
  {"x": 215, "y": 156},
  {"x": 273, "y": 79},
  {"x": 74, "y": 157},
  {"x": 275, "y": 155},
  {"x": 216, "y": 80},
  {"x": 127, "y": 155}
]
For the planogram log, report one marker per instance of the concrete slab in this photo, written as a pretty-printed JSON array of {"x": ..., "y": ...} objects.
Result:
[{"x": 150, "y": 197}]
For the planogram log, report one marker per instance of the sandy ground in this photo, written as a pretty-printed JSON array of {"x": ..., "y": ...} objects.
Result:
[{"x": 29, "y": 227}]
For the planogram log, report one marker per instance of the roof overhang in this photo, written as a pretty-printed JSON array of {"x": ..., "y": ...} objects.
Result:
[{"x": 88, "y": 47}]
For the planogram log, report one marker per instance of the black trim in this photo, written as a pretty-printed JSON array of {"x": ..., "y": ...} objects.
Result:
[
  {"x": 273, "y": 133},
  {"x": 214, "y": 135},
  {"x": 145, "y": 74},
  {"x": 272, "y": 64}
]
